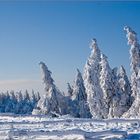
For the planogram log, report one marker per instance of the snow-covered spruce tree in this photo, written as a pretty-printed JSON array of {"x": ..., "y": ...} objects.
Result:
[
  {"x": 134, "y": 111},
  {"x": 53, "y": 102},
  {"x": 27, "y": 106},
  {"x": 121, "y": 100},
  {"x": 1, "y": 102},
  {"x": 11, "y": 103},
  {"x": 7, "y": 102},
  {"x": 20, "y": 103},
  {"x": 34, "y": 99},
  {"x": 91, "y": 82},
  {"x": 14, "y": 101},
  {"x": 106, "y": 82},
  {"x": 79, "y": 98},
  {"x": 134, "y": 56},
  {"x": 115, "y": 106},
  {"x": 125, "y": 90}
]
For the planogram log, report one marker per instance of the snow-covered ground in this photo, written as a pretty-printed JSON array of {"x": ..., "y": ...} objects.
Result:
[{"x": 66, "y": 128}]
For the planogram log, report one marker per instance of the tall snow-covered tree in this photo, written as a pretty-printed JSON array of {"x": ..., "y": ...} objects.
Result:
[
  {"x": 106, "y": 82},
  {"x": 135, "y": 72},
  {"x": 79, "y": 98},
  {"x": 91, "y": 81},
  {"x": 53, "y": 101},
  {"x": 134, "y": 56}
]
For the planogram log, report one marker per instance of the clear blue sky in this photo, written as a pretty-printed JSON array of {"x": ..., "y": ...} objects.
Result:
[{"x": 59, "y": 34}]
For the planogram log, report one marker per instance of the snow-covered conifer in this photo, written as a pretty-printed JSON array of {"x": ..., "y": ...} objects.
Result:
[
  {"x": 135, "y": 57},
  {"x": 134, "y": 110},
  {"x": 79, "y": 98},
  {"x": 27, "y": 107},
  {"x": 7, "y": 102},
  {"x": 91, "y": 81},
  {"x": 114, "y": 110},
  {"x": 33, "y": 99},
  {"x": 125, "y": 90},
  {"x": 69, "y": 90},
  {"x": 20, "y": 103},
  {"x": 106, "y": 82},
  {"x": 121, "y": 100},
  {"x": 135, "y": 72},
  {"x": 53, "y": 101},
  {"x": 13, "y": 101}
]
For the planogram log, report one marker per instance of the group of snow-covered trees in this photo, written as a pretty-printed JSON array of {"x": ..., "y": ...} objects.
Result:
[
  {"x": 18, "y": 103},
  {"x": 101, "y": 92}
]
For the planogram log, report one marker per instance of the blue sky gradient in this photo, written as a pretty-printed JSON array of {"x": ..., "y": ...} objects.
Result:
[{"x": 59, "y": 34}]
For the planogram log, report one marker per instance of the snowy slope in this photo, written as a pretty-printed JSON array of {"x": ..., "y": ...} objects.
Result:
[{"x": 66, "y": 128}]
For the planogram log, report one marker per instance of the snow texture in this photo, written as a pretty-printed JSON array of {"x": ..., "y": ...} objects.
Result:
[{"x": 66, "y": 128}]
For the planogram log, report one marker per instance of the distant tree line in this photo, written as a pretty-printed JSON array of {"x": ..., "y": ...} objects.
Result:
[{"x": 18, "y": 103}]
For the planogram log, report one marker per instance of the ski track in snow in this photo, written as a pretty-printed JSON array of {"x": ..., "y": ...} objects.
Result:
[{"x": 13, "y": 127}]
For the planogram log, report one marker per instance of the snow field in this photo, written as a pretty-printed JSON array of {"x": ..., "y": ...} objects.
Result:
[{"x": 44, "y": 128}]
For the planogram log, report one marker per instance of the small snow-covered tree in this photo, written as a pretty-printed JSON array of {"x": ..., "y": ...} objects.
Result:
[
  {"x": 27, "y": 107},
  {"x": 125, "y": 90},
  {"x": 37, "y": 95},
  {"x": 69, "y": 90},
  {"x": 7, "y": 102},
  {"x": 34, "y": 99},
  {"x": 79, "y": 98},
  {"x": 1, "y": 102},
  {"x": 13, "y": 102},
  {"x": 20, "y": 103},
  {"x": 121, "y": 100},
  {"x": 134, "y": 110},
  {"x": 114, "y": 110},
  {"x": 134, "y": 56},
  {"x": 53, "y": 101},
  {"x": 106, "y": 82},
  {"x": 91, "y": 81}
]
